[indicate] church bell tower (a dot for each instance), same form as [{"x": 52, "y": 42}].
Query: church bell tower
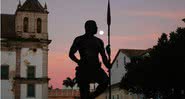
[
  {"x": 31, "y": 27},
  {"x": 31, "y": 20}
]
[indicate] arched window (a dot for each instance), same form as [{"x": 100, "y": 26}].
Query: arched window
[
  {"x": 25, "y": 23},
  {"x": 39, "y": 25}
]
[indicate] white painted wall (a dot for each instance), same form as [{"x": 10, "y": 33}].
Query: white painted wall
[
  {"x": 117, "y": 72},
  {"x": 44, "y": 91},
  {"x": 28, "y": 57},
  {"x": 8, "y": 58},
  {"x": 38, "y": 92},
  {"x": 6, "y": 90},
  {"x": 118, "y": 92}
]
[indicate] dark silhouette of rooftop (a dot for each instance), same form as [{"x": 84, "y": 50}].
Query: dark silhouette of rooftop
[
  {"x": 33, "y": 6},
  {"x": 8, "y": 26}
]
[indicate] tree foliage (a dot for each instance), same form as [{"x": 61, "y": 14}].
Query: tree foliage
[
  {"x": 68, "y": 82},
  {"x": 162, "y": 72}
]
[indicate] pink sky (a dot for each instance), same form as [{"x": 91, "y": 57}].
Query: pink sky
[
  {"x": 60, "y": 66},
  {"x": 136, "y": 24},
  {"x": 67, "y": 67}
]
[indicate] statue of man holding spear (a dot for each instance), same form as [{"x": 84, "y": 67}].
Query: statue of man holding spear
[{"x": 89, "y": 66}]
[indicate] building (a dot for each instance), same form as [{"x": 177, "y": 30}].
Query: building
[
  {"x": 68, "y": 92},
  {"x": 24, "y": 52},
  {"x": 64, "y": 94},
  {"x": 122, "y": 57}
]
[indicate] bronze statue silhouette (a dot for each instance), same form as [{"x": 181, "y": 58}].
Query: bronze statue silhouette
[{"x": 89, "y": 66}]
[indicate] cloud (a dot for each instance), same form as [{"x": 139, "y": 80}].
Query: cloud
[
  {"x": 162, "y": 14},
  {"x": 136, "y": 41},
  {"x": 149, "y": 36}
]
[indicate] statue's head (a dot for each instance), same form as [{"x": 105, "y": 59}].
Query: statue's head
[{"x": 91, "y": 27}]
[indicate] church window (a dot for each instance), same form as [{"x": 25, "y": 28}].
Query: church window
[
  {"x": 26, "y": 23},
  {"x": 113, "y": 97},
  {"x": 31, "y": 72},
  {"x": 4, "y": 72},
  {"x": 105, "y": 97},
  {"x": 39, "y": 25},
  {"x": 125, "y": 61},
  {"x": 30, "y": 90},
  {"x": 117, "y": 63},
  {"x": 117, "y": 96}
]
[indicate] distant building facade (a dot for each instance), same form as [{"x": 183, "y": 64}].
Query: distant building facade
[
  {"x": 63, "y": 94},
  {"x": 24, "y": 52},
  {"x": 122, "y": 57}
]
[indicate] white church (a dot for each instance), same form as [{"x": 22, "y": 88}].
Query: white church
[
  {"x": 118, "y": 70},
  {"x": 24, "y": 52}
]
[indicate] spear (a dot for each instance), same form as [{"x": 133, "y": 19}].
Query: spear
[{"x": 108, "y": 49}]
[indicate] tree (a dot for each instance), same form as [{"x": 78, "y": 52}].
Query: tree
[
  {"x": 50, "y": 87},
  {"x": 163, "y": 72},
  {"x": 68, "y": 82}
]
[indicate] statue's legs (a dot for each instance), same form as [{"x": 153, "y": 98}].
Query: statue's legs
[
  {"x": 84, "y": 90},
  {"x": 102, "y": 79}
]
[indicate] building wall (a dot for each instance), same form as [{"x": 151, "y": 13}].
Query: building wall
[
  {"x": 29, "y": 57},
  {"x": 6, "y": 90},
  {"x": 44, "y": 91},
  {"x": 118, "y": 68},
  {"x": 8, "y": 58},
  {"x": 63, "y": 94},
  {"x": 119, "y": 94},
  {"x": 45, "y": 61},
  {"x": 38, "y": 92},
  {"x": 17, "y": 89},
  {"x": 122, "y": 94},
  {"x": 117, "y": 73},
  {"x": 60, "y": 97},
  {"x": 32, "y": 29}
]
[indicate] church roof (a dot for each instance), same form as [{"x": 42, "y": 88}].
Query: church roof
[
  {"x": 131, "y": 53},
  {"x": 32, "y": 6},
  {"x": 8, "y": 26}
]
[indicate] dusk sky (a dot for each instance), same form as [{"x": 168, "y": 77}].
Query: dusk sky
[{"x": 136, "y": 24}]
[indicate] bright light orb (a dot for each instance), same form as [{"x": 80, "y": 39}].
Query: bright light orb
[{"x": 101, "y": 32}]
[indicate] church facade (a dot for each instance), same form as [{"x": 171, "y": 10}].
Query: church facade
[
  {"x": 24, "y": 52},
  {"x": 118, "y": 70}
]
